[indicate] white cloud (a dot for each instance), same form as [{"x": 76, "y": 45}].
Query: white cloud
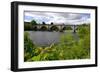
[{"x": 59, "y": 18}]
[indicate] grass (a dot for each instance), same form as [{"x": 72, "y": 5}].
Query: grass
[{"x": 68, "y": 49}]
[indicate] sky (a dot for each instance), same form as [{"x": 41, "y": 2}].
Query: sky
[{"x": 57, "y": 17}]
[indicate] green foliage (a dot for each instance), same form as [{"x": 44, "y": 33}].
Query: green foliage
[
  {"x": 83, "y": 31},
  {"x": 67, "y": 38},
  {"x": 27, "y": 26},
  {"x": 68, "y": 47},
  {"x": 33, "y": 22},
  {"x": 29, "y": 47}
]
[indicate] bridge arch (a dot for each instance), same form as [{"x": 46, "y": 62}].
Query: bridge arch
[
  {"x": 54, "y": 28},
  {"x": 43, "y": 28}
]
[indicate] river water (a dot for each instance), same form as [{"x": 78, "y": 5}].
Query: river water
[{"x": 46, "y": 38}]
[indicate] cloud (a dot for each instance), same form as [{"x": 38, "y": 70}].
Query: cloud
[{"x": 55, "y": 17}]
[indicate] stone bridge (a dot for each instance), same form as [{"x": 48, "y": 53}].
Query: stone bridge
[{"x": 60, "y": 27}]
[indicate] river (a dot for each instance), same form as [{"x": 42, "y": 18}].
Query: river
[{"x": 46, "y": 38}]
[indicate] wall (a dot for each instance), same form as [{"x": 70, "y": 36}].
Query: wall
[{"x": 5, "y": 35}]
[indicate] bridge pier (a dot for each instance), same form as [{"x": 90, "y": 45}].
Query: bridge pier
[{"x": 74, "y": 29}]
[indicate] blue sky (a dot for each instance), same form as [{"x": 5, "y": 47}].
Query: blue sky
[{"x": 57, "y": 17}]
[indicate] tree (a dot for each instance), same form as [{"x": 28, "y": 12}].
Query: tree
[
  {"x": 43, "y": 23},
  {"x": 33, "y": 22},
  {"x": 51, "y": 23}
]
